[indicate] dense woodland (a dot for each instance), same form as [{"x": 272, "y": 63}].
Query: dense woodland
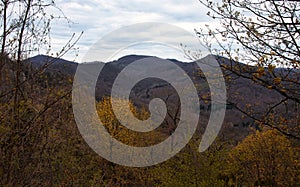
[{"x": 40, "y": 144}]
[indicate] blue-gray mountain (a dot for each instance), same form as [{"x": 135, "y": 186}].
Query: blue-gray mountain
[{"x": 241, "y": 91}]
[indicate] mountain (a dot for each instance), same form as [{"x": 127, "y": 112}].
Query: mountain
[
  {"x": 239, "y": 90},
  {"x": 53, "y": 64},
  {"x": 112, "y": 69}
]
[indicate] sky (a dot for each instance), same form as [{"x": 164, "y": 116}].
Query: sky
[{"x": 99, "y": 18}]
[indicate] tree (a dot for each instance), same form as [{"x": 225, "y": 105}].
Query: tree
[
  {"x": 264, "y": 35},
  {"x": 30, "y": 109},
  {"x": 265, "y": 158},
  {"x": 117, "y": 175},
  {"x": 190, "y": 168}
]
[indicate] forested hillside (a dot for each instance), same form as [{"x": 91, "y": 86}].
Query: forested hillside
[{"x": 259, "y": 142}]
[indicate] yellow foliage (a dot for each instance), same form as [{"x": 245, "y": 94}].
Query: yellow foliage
[
  {"x": 277, "y": 80},
  {"x": 260, "y": 71},
  {"x": 271, "y": 68},
  {"x": 118, "y": 131},
  {"x": 266, "y": 158}
]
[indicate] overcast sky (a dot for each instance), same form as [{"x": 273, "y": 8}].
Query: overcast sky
[{"x": 98, "y": 18}]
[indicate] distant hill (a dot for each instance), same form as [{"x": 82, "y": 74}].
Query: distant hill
[
  {"x": 53, "y": 64},
  {"x": 240, "y": 90},
  {"x": 112, "y": 69}
]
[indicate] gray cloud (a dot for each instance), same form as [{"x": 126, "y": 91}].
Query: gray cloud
[{"x": 99, "y": 17}]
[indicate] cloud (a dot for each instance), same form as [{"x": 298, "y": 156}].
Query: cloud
[{"x": 100, "y": 17}]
